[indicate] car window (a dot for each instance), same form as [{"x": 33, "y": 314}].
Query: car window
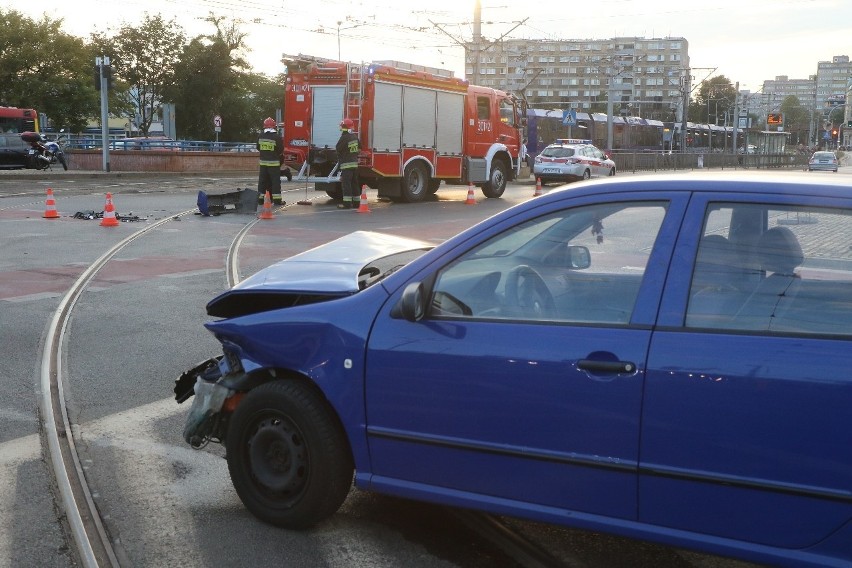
[
  {"x": 773, "y": 269},
  {"x": 583, "y": 265},
  {"x": 557, "y": 152}
]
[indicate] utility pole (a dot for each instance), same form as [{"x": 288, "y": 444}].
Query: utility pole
[
  {"x": 102, "y": 83},
  {"x": 477, "y": 42}
]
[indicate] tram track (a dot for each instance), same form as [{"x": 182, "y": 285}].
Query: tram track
[{"x": 90, "y": 537}]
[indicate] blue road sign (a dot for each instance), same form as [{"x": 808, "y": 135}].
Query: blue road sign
[{"x": 569, "y": 117}]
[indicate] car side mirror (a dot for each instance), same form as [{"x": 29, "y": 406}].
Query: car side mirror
[
  {"x": 579, "y": 257},
  {"x": 412, "y": 304}
]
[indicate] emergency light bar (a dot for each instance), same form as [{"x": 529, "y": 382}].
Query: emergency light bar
[{"x": 572, "y": 141}]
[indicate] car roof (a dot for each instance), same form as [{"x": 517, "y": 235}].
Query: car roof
[{"x": 783, "y": 183}]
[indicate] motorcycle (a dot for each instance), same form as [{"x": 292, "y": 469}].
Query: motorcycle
[{"x": 43, "y": 152}]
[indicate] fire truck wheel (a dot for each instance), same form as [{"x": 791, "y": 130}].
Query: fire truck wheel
[
  {"x": 496, "y": 184},
  {"x": 415, "y": 183},
  {"x": 334, "y": 190},
  {"x": 434, "y": 184}
]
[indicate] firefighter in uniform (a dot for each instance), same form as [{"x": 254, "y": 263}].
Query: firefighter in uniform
[
  {"x": 347, "y": 156},
  {"x": 270, "y": 147}
]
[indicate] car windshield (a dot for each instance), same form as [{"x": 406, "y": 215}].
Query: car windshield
[
  {"x": 557, "y": 152},
  {"x": 381, "y": 268}
]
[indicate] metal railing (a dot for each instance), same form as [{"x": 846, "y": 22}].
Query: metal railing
[
  {"x": 88, "y": 142},
  {"x": 653, "y": 161}
]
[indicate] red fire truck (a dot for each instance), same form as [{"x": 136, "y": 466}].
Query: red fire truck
[{"x": 416, "y": 127}]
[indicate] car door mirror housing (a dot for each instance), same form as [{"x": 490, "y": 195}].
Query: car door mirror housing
[{"x": 412, "y": 304}]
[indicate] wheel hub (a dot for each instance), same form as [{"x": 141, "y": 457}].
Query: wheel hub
[{"x": 277, "y": 456}]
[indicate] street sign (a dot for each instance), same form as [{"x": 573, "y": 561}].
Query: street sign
[
  {"x": 217, "y": 121},
  {"x": 569, "y": 117}
]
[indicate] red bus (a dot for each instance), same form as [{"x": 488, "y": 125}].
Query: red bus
[{"x": 15, "y": 120}]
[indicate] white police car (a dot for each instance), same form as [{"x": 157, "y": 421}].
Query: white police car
[{"x": 570, "y": 159}]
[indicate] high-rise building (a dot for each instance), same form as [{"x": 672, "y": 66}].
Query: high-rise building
[
  {"x": 778, "y": 89},
  {"x": 646, "y": 76},
  {"x": 832, "y": 79}
]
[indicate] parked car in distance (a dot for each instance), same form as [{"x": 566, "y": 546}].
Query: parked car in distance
[
  {"x": 13, "y": 151},
  {"x": 570, "y": 159},
  {"x": 661, "y": 357},
  {"x": 823, "y": 161}
]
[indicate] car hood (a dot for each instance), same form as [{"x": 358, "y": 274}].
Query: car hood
[{"x": 329, "y": 270}]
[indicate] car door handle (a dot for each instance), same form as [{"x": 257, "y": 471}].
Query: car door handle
[{"x": 606, "y": 366}]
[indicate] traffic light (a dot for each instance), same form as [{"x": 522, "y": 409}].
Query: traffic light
[
  {"x": 834, "y": 133},
  {"x": 107, "y": 74}
]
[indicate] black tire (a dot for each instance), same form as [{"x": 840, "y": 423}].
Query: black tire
[
  {"x": 612, "y": 172},
  {"x": 61, "y": 157},
  {"x": 496, "y": 184},
  {"x": 333, "y": 190},
  {"x": 587, "y": 174},
  {"x": 287, "y": 174},
  {"x": 288, "y": 456},
  {"x": 433, "y": 186},
  {"x": 415, "y": 183}
]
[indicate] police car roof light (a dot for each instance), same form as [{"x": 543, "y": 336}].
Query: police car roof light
[{"x": 572, "y": 141}]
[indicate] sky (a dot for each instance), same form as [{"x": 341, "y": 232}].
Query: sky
[{"x": 747, "y": 41}]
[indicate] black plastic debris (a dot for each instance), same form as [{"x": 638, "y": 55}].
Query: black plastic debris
[
  {"x": 91, "y": 215},
  {"x": 239, "y": 201}
]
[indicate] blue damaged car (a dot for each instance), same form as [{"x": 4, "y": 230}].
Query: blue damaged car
[{"x": 664, "y": 358}]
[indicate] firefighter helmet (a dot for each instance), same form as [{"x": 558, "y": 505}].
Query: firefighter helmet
[
  {"x": 269, "y": 123},
  {"x": 347, "y": 124}
]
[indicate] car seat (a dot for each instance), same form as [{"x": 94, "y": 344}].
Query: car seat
[{"x": 779, "y": 254}]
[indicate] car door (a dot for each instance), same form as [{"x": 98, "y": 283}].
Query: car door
[
  {"x": 596, "y": 157},
  {"x": 539, "y": 408},
  {"x": 746, "y": 421}
]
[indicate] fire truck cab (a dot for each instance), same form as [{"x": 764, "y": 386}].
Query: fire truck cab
[{"x": 416, "y": 127}]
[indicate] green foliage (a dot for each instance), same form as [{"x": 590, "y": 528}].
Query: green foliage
[
  {"x": 213, "y": 80},
  {"x": 145, "y": 58},
  {"x": 43, "y": 68},
  {"x": 714, "y": 99}
]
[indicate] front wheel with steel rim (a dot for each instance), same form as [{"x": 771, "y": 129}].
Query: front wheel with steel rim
[
  {"x": 288, "y": 456},
  {"x": 496, "y": 184},
  {"x": 415, "y": 182},
  {"x": 587, "y": 174}
]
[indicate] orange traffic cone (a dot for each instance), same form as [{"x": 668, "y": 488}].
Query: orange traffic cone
[
  {"x": 266, "y": 212},
  {"x": 470, "y": 199},
  {"x": 537, "y": 187},
  {"x": 362, "y": 208},
  {"x": 109, "y": 220},
  {"x": 50, "y": 206}
]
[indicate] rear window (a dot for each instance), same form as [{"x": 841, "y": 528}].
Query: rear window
[{"x": 558, "y": 152}]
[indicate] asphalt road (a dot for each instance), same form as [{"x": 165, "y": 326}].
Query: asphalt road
[{"x": 139, "y": 324}]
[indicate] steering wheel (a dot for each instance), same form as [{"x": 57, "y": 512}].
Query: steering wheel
[{"x": 527, "y": 293}]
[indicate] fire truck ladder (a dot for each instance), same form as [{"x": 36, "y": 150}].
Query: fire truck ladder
[{"x": 354, "y": 93}]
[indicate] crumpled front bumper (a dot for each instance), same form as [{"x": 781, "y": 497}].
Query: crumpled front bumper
[{"x": 204, "y": 422}]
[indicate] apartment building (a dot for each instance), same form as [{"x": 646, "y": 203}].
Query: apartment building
[{"x": 646, "y": 76}]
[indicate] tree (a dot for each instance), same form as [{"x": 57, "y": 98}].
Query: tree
[
  {"x": 714, "y": 98},
  {"x": 43, "y": 68},
  {"x": 212, "y": 78},
  {"x": 797, "y": 119},
  {"x": 145, "y": 58}
]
